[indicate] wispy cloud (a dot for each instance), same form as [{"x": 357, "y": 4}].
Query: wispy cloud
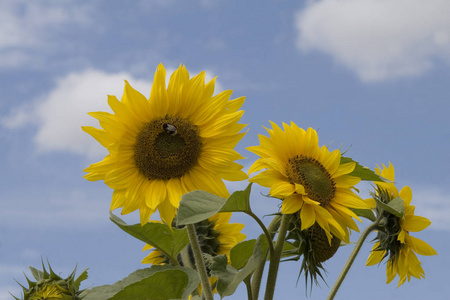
[
  {"x": 377, "y": 40},
  {"x": 434, "y": 204},
  {"x": 30, "y": 25},
  {"x": 60, "y": 114}
]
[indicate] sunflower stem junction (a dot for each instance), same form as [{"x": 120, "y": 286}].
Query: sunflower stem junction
[
  {"x": 352, "y": 257},
  {"x": 275, "y": 259},
  {"x": 199, "y": 262},
  {"x": 257, "y": 274}
]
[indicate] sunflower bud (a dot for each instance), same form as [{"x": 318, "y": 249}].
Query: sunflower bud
[{"x": 50, "y": 286}]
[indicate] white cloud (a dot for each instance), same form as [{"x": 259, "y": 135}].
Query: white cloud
[
  {"x": 30, "y": 24},
  {"x": 434, "y": 204},
  {"x": 378, "y": 39},
  {"x": 60, "y": 114}
]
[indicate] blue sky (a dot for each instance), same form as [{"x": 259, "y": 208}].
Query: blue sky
[{"x": 369, "y": 75}]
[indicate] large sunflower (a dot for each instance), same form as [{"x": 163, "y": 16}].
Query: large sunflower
[
  {"x": 216, "y": 237},
  {"x": 308, "y": 178},
  {"x": 394, "y": 240},
  {"x": 179, "y": 140}
]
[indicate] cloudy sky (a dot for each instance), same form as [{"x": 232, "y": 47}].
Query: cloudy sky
[{"x": 369, "y": 75}]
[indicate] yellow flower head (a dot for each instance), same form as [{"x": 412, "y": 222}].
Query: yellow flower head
[
  {"x": 179, "y": 140},
  {"x": 308, "y": 178},
  {"x": 216, "y": 237},
  {"x": 395, "y": 241}
]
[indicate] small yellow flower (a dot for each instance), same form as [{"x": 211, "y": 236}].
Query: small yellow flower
[
  {"x": 216, "y": 237},
  {"x": 308, "y": 178},
  {"x": 395, "y": 241},
  {"x": 179, "y": 140}
]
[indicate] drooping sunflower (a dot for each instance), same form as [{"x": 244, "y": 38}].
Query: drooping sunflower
[
  {"x": 308, "y": 178},
  {"x": 179, "y": 140},
  {"x": 216, "y": 237},
  {"x": 393, "y": 239}
]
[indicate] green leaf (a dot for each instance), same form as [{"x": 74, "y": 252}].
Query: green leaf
[
  {"x": 395, "y": 206},
  {"x": 168, "y": 240},
  {"x": 37, "y": 274},
  {"x": 365, "y": 213},
  {"x": 197, "y": 206},
  {"x": 228, "y": 277},
  {"x": 362, "y": 172},
  {"x": 157, "y": 282},
  {"x": 241, "y": 253},
  {"x": 238, "y": 201}
]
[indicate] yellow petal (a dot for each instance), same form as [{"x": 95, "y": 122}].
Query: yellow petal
[
  {"x": 281, "y": 189},
  {"x": 419, "y": 246},
  {"x": 406, "y": 195},
  {"x": 415, "y": 223},
  {"x": 291, "y": 204},
  {"x": 375, "y": 256},
  {"x": 307, "y": 216}
]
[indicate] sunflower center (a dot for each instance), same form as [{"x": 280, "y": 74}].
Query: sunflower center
[
  {"x": 313, "y": 176},
  {"x": 167, "y": 148}
]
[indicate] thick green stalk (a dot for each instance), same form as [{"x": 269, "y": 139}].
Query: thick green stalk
[
  {"x": 352, "y": 258},
  {"x": 275, "y": 259},
  {"x": 258, "y": 273},
  {"x": 199, "y": 262}
]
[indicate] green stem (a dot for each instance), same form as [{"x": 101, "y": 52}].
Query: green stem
[
  {"x": 258, "y": 273},
  {"x": 275, "y": 259},
  {"x": 352, "y": 257},
  {"x": 264, "y": 229},
  {"x": 199, "y": 262},
  {"x": 249, "y": 287}
]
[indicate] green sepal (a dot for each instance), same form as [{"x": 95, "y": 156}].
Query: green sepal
[
  {"x": 228, "y": 277},
  {"x": 168, "y": 240},
  {"x": 80, "y": 278},
  {"x": 365, "y": 213},
  {"x": 362, "y": 172},
  {"x": 157, "y": 282},
  {"x": 395, "y": 206}
]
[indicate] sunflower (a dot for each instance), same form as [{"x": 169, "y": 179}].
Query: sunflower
[
  {"x": 308, "y": 179},
  {"x": 179, "y": 140},
  {"x": 216, "y": 237},
  {"x": 393, "y": 239}
]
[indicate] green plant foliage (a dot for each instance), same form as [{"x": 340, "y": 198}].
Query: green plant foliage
[
  {"x": 362, "y": 172},
  {"x": 228, "y": 277},
  {"x": 197, "y": 206},
  {"x": 157, "y": 282},
  {"x": 238, "y": 201},
  {"x": 365, "y": 213},
  {"x": 168, "y": 240},
  {"x": 395, "y": 206}
]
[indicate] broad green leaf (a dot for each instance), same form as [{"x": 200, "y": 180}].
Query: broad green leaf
[
  {"x": 228, "y": 277},
  {"x": 168, "y": 240},
  {"x": 157, "y": 282},
  {"x": 197, "y": 206},
  {"x": 395, "y": 206},
  {"x": 241, "y": 253},
  {"x": 362, "y": 172},
  {"x": 365, "y": 213},
  {"x": 238, "y": 201}
]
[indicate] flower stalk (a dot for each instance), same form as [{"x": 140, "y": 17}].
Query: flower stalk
[
  {"x": 352, "y": 257},
  {"x": 199, "y": 262},
  {"x": 275, "y": 259}
]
